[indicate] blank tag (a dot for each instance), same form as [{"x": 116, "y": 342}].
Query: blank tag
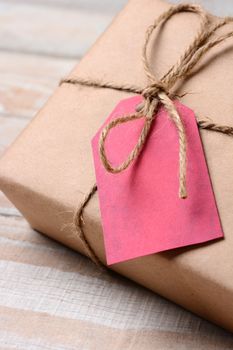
[{"x": 140, "y": 208}]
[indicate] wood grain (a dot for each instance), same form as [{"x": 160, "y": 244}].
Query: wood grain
[
  {"x": 61, "y": 32},
  {"x": 28, "y": 80},
  {"x": 51, "y": 290},
  {"x": 106, "y": 6}
]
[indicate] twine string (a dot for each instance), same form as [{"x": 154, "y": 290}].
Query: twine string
[{"x": 157, "y": 93}]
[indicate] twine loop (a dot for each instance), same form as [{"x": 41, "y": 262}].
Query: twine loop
[
  {"x": 154, "y": 95},
  {"x": 157, "y": 92}
]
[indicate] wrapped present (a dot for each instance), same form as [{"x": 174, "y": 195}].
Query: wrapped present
[{"x": 49, "y": 169}]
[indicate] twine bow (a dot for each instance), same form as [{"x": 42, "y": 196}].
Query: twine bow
[{"x": 157, "y": 93}]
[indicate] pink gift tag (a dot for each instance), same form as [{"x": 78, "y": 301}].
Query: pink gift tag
[{"x": 140, "y": 208}]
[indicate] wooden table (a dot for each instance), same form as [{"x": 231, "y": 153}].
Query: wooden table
[{"x": 46, "y": 290}]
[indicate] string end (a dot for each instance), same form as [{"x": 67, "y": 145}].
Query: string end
[{"x": 183, "y": 193}]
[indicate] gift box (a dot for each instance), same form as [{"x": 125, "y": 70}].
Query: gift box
[{"x": 49, "y": 169}]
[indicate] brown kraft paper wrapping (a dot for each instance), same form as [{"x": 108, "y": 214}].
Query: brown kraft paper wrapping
[{"x": 49, "y": 168}]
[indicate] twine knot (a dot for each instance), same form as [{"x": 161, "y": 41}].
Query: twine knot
[
  {"x": 152, "y": 91},
  {"x": 151, "y": 99}
]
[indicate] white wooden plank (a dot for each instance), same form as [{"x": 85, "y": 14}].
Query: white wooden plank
[
  {"x": 49, "y": 29},
  {"x": 6, "y": 208},
  {"x": 217, "y": 7},
  {"x": 107, "y": 6},
  {"x": 28, "y": 330},
  {"x": 220, "y": 8},
  {"x": 112, "y": 302},
  {"x": 28, "y": 80},
  {"x": 9, "y": 130}
]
